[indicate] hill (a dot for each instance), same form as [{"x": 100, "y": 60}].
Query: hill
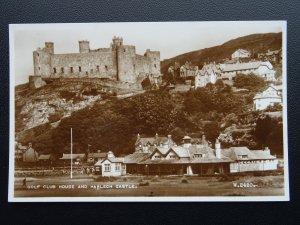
[
  {"x": 114, "y": 123},
  {"x": 256, "y": 43}
]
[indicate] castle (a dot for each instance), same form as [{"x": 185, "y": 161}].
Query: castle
[{"x": 118, "y": 62}]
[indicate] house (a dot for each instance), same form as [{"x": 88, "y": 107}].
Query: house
[
  {"x": 199, "y": 158},
  {"x": 77, "y": 159},
  {"x": 241, "y": 53},
  {"x": 132, "y": 161},
  {"x": 186, "y": 159},
  {"x": 262, "y": 69},
  {"x": 46, "y": 158},
  {"x": 111, "y": 166},
  {"x": 94, "y": 157},
  {"x": 246, "y": 160},
  {"x": 273, "y": 56},
  {"x": 30, "y": 155},
  {"x": 148, "y": 144},
  {"x": 19, "y": 151},
  {"x": 270, "y": 96},
  {"x": 188, "y": 70},
  {"x": 208, "y": 74}
]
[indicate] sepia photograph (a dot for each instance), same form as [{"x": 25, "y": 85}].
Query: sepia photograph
[{"x": 148, "y": 111}]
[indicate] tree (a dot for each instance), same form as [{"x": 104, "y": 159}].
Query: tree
[{"x": 250, "y": 81}]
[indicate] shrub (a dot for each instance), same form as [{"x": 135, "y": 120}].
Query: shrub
[{"x": 184, "y": 180}]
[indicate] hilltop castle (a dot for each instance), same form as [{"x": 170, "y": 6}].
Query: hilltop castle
[{"x": 118, "y": 62}]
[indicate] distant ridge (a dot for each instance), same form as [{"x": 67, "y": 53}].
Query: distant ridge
[{"x": 256, "y": 43}]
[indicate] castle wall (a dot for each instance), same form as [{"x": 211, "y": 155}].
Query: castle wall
[
  {"x": 101, "y": 64},
  {"x": 141, "y": 65}
]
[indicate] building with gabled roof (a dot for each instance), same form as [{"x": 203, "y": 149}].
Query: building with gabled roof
[
  {"x": 111, "y": 166},
  {"x": 270, "y": 96},
  {"x": 93, "y": 157},
  {"x": 241, "y": 53},
  {"x": 148, "y": 144},
  {"x": 259, "y": 68},
  {"x": 246, "y": 160}
]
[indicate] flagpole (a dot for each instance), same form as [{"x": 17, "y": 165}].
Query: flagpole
[{"x": 71, "y": 154}]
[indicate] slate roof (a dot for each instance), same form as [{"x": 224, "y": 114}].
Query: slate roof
[
  {"x": 234, "y": 153},
  {"x": 112, "y": 159},
  {"x": 244, "y": 66},
  {"x": 156, "y": 140},
  {"x": 136, "y": 157},
  {"x": 97, "y": 155},
  {"x": 164, "y": 161},
  {"x": 265, "y": 94},
  {"x": 74, "y": 156},
  {"x": 44, "y": 157}
]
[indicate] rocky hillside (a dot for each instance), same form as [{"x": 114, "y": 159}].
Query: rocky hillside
[
  {"x": 53, "y": 102},
  {"x": 256, "y": 43}
]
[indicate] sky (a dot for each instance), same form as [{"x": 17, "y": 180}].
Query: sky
[{"x": 170, "y": 38}]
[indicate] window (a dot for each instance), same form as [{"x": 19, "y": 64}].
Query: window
[
  {"x": 71, "y": 69},
  {"x": 172, "y": 156},
  {"x": 244, "y": 156},
  {"x": 39, "y": 68},
  {"x": 106, "y": 167},
  {"x": 54, "y": 70},
  {"x": 106, "y": 67},
  {"x": 79, "y": 68},
  {"x": 198, "y": 155},
  {"x": 118, "y": 167},
  {"x": 154, "y": 58},
  {"x": 154, "y": 65},
  {"x": 98, "y": 68},
  {"x": 62, "y": 70},
  {"x": 38, "y": 54},
  {"x": 157, "y": 157}
]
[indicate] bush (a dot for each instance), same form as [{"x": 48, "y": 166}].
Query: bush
[
  {"x": 144, "y": 183},
  {"x": 184, "y": 180}
]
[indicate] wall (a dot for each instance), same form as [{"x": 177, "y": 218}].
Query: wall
[
  {"x": 263, "y": 103},
  {"x": 100, "y": 64},
  {"x": 253, "y": 165},
  {"x": 112, "y": 171}
]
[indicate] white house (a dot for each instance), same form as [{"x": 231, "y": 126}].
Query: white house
[
  {"x": 111, "y": 166},
  {"x": 272, "y": 95},
  {"x": 208, "y": 74},
  {"x": 240, "y": 53},
  {"x": 262, "y": 69},
  {"x": 250, "y": 160}
]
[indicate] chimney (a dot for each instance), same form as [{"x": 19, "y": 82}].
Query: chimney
[
  {"x": 218, "y": 149},
  {"x": 186, "y": 142},
  {"x": 110, "y": 154},
  {"x": 204, "y": 141},
  {"x": 267, "y": 150}
]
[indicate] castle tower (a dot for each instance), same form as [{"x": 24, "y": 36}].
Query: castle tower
[
  {"x": 154, "y": 61},
  {"x": 218, "y": 149},
  {"x": 117, "y": 42},
  {"x": 84, "y": 46},
  {"x": 125, "y": 62},
  {"x": 49, "y": 47}
]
